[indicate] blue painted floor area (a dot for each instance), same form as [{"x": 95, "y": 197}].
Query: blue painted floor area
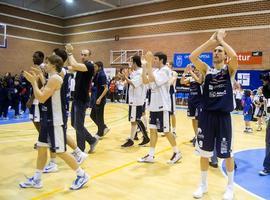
[
  {"x": 185, "y": 108},
  {"x": 23, "y": 118},
  {"x": 249, "y": 163}
]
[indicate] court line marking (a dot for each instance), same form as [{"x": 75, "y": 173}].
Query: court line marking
[
  {"x": 73, "y": 133},
  {"x": 239, "y": 186},
  {"x": 86, "y": 113},
  {"x": 90, "y": 125},
  {"x": 110, "y": 171}
]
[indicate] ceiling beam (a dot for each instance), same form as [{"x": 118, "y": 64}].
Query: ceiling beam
[{"x": 105, "y": 3}]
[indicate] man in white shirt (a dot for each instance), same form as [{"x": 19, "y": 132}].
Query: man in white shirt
[
  {"x": 160, "y": 104},
  {"x": 135, "y": 93}
]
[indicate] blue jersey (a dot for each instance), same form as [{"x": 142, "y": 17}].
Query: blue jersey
[
  {"x": 247, "y": 105},
  {"x": 195, "y": 91},
  {"x": 217, "y": 90},
  {"x": 65, "y": 91}
]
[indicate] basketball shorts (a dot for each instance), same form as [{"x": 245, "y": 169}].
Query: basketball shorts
[
  {"x": 215, "y": 130},
  {"x": 160, "y": 121}
]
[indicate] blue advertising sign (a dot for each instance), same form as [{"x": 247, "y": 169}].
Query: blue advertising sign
[
  {"x": 181, "y": 60},
  {"x": 249, "y": 79}
]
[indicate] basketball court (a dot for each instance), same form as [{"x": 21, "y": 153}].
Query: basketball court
[
  {"x": 114, "y": 31},
  {"x": 115, "y": 172}
]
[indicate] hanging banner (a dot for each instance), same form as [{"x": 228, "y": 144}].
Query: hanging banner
[
  {"x": 181, "y": 60},
  {"x": 249, "y": 58}
]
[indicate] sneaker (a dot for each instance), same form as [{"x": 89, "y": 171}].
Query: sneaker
[
  {"x": 162, "y": 134},
  {"x": 145, "y": 141},
  {"x": 202, "y": 189},
  {"x": 93, "y": 146},
  {"x": 250, "y": 130},
  {"x": 81, "y": 157},
  {"x": 259, "y": 129},
  {"x": 214, "y": 165},
  {"x": 79, "y": 182},
  {"x": 175, "y": 158},
  {"x": 128, "y": 143},
  {"x": 50, "y": 167},
  {"x": 147, "y": 159},
  {"x": 31, "y": 183},
  {"x": 264, "y": 172},
  {"x": 228, "y": 195}
]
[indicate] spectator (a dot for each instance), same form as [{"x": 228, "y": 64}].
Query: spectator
[{"x": 247, "y": 112}]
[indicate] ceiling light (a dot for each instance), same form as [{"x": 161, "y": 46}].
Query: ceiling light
[{"x": 69, "y": 1}]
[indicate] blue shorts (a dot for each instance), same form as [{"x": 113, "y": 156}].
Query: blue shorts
[
  {"x": 160, "y": 121},
  {"x": 247, "y": 118},
  {"x": 215, "y": 129},
  {"x": 193, "y": 110},
  {"x": 53, "y": 137},
  {"x": 135, "y": 113}
]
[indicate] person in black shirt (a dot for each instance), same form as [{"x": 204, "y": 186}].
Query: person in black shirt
[
  {"x": 98, "y": 99},
  {"x": 16, "y": 98},
  {"x": 25, "y": 92},
  {"x": 85, "y": 72},
  {"x": 194, "y": 79}
]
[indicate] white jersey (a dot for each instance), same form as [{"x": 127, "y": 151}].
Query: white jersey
[
  {"x": 137, "y": 92},
  {"x": 52, "y": 111},
  {"x": 160, "y": 90},
  {"x": 238, "y": 94}
]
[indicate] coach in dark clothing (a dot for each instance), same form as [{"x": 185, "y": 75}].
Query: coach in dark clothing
[
  {"x": 85, "y": 72},
  {"x": 98, "y": 98}
]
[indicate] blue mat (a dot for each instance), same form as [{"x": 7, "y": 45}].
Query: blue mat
[
  {"x": 249, "y": 163},
  {"x": 11, "y": 114}
]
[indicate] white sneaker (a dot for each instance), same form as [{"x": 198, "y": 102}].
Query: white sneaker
[
  {"x": 175, "y": 158},
  {"x": 202, "y": 189},
  {"x": 81, "y": 157},
  {"x": 31, "y": 183},
  {"x": 147, "y": 159},
  {"x": 228, "y": 195},
  {"x": 250, "y": 130},
  {"x": 50, "y": 167},
  {"x": 80, "y": 182}
]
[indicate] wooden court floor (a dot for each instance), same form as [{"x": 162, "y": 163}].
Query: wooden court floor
[{"x": 115, "y": 172}]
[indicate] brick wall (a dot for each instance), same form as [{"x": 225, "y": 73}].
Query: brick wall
[
  {"x": 189, "y": 33},
  {"x": 241, "y": 41},
  {"x": 18, "y": 55}
]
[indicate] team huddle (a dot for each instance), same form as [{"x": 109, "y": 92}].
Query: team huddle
[{"x": 151, "y": 86}]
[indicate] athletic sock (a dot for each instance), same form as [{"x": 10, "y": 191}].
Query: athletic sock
[
  {"x": 79, "y": 172},
  {"x": 37, "y": 175},
  {"x": 152, "y": 151}
]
